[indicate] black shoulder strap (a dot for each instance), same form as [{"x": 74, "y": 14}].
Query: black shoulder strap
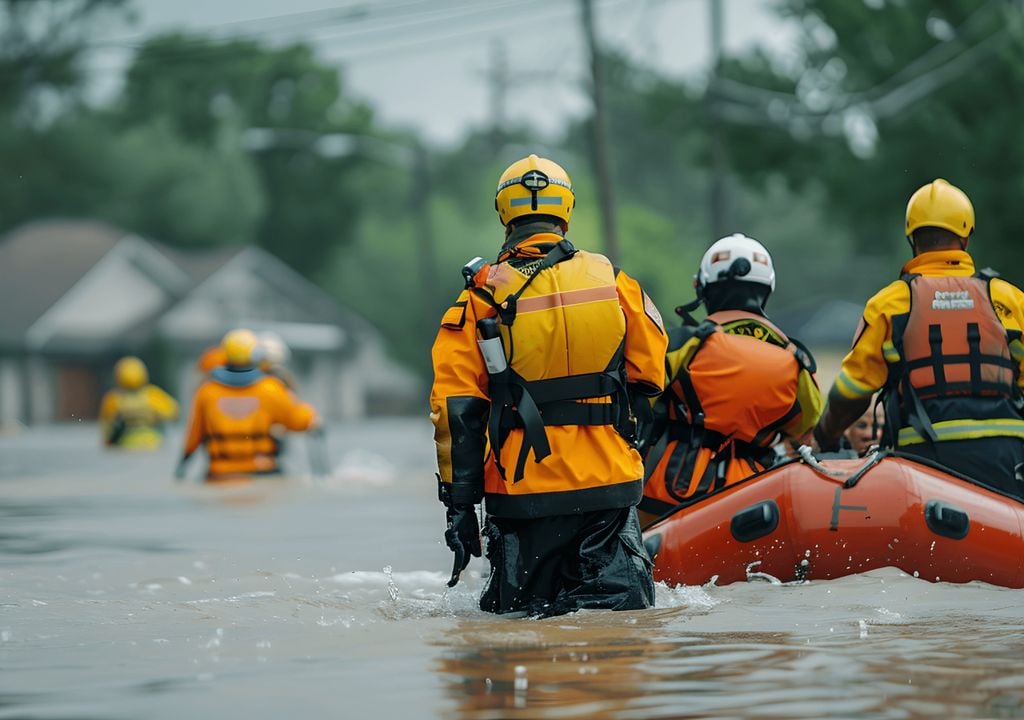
[
  {"x": 898, "y": 389},
  {"x": 563, "y": 250},
  {"x": 804, "y": 356},
  {"x": 703, "y": 331}
]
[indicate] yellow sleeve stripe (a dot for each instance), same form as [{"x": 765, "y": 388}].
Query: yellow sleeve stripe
[
  {"x": 889, "y": 352},
  {"x": 1017, "y": 351},
  {"x": 850, "y": 388}
]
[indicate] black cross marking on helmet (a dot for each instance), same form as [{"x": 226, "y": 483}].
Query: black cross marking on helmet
[{"x": 534, "y": 181}]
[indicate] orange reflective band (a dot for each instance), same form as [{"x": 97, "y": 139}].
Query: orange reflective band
[{"x": 563, "y": 299}]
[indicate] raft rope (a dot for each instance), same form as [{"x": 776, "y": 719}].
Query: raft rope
[{"x": 851, "y": 479}]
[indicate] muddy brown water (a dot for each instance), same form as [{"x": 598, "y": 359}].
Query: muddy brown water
[{"x": 125, "y": 595}]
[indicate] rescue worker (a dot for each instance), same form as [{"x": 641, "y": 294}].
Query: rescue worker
[
  {"x": 865, "y": 432},
  {"x": 737, "y": 384},
  {"x": 234, "y": 410},
  {"x": 943, "y": 342},
  {"x": 539, "y": 420},
  {"x": 131, "y": 414},
  {"x": 273, "y": 354}
]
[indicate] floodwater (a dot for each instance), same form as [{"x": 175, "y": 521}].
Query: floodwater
[{"x": 125, "y": 595}]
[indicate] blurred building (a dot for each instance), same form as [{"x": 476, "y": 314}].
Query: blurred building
[{"x": 75, "y": 295}]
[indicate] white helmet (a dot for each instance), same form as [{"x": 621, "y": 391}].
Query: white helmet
[
  {"x": 272, "y": 349},
  {"x": 736, "y": 257}
]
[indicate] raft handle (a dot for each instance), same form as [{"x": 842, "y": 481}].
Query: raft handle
[
  {"x": 755, "y": 521},
  {"x": 947, "y": 520}
]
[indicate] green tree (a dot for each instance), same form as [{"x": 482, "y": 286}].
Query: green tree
[
  {"x": 213, "y": 91},
  {"x": 888, "y": 96},
  {"x": 41, "y": 45}
]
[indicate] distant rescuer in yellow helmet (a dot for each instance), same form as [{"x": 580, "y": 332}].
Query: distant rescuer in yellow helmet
[
  {"x": 131, "y": 414},
  {"x": 233, "y": 412},
  {"x": 542, "y": 371},
  {"x": 944, "y": 344}
]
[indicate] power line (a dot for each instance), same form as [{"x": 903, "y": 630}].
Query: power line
[{"x": 788, "y": 105}]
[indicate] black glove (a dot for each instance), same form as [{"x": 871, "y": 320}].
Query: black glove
[
  {"x": 643, "y": 414},
  {"x": 462, "y": 537}
]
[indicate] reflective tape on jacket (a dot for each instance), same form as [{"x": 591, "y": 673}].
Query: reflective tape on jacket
[{"x": 966, "y": 430}]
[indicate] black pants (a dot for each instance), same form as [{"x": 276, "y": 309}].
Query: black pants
[
  {"x": 996, "y": 462},
  {"x": 554, "y": 565}
]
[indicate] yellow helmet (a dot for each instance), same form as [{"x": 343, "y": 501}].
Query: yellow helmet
[
  {"x": 939, "y": 204},
  {"x": 534, "y": 186},
  {"x": 130, "y": 373},
  {"x": 238, "y": 346}
]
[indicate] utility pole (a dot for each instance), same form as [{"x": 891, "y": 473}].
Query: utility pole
[
  {"x": 499, "y": 82},
  {"x": 717, "y": 195},
  {"x": 599, "y": 139},
  {"x": 429, "y": 310}
]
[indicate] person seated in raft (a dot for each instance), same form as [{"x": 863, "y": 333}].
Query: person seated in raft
[
  {"x": 234, "y": 410},
  {"x": 865, "y": 433},
  {"x": 943, "y": 343},
  {"x": 736, "y": 383},
  {"x": 132, "y": 413}
]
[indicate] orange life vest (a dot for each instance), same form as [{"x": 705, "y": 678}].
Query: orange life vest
[
  {"x": 954, "y": 374},
  {"x": 235, "y": 423},
  {"x": 563, "y": 333},
  {"x": 728, "y": 400}
]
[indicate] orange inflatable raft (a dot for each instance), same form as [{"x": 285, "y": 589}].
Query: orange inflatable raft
[{"x": 809, "y": 519}]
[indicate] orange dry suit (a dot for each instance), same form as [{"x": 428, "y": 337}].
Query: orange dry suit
[
  {"x": 131, "y": 419},
  {"x": 553, "y": 433},
  {"x": 736, "y": 383},
  {"x": 233, "y": 413}
]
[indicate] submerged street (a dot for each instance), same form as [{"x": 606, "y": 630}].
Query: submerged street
[{"x": 125, "y": 595}]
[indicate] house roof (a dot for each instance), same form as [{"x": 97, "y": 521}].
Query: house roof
[
  {"x": 40, "y": 262},
  {"x": 85, "y": 286}
]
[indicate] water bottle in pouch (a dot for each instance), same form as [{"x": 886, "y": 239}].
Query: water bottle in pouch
[{"x": 490, "y": 346}]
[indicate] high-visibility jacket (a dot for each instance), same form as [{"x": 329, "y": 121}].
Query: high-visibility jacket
[
  {"x": 918, "y": 332},
  {"x": 576, "y": 334},
  {"x": 736, "y": 384},
  {"x": 233, "y": 413},
  {"x": 131, "y": 419}
]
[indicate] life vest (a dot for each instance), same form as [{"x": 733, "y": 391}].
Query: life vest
[
  {"x": 239, "y": 417},
  {"x": 563, "y": 333},
  {"x": 136, "y": 423},
  {"x": 951, "y": 376},
  {"x": 728, "y": 401},
  {"x": 135, "y": 410}
]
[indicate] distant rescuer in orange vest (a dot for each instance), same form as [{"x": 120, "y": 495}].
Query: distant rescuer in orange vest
[
  {"x": 540, "y": 368},
  {"x": 131, "y": 414},
  {"x": 736, "y": 383},
  {"x": 944, "y": 344},
  {"x": 234, "y": 410}
]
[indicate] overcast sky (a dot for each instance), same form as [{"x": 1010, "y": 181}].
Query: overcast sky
[{"x": 426, "y": 63}]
